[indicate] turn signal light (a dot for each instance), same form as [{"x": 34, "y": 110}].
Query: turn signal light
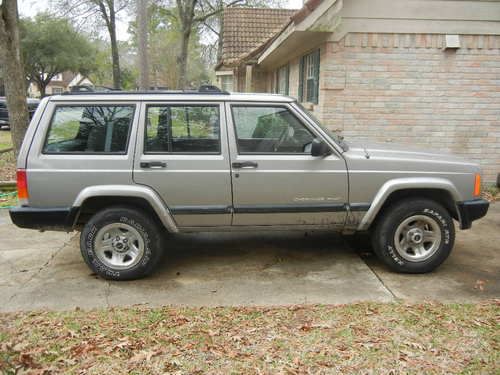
[
  {"x": 22, "y": 186},
  {"x": 477, "y": 185}
]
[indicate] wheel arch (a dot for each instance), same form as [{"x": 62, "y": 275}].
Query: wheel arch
[
  {"x": 95, "y": 198},
  {"x": 437, "y": 189}
]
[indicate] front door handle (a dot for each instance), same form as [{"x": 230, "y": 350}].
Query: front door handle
[
  {"x": 245, "y": 165},
  {"x": 153, "y": 164}
]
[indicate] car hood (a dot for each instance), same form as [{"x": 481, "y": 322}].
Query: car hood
[
  {"x": 391, "y": 156},
  {"x": 403, "y": 151}
]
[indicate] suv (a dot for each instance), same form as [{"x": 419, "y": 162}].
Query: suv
[
  {"x": 129, "y": 168},
  {"x": 4, "y": 113}
]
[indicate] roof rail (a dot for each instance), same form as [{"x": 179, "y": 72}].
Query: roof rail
[{"x": 88, "y": 90}]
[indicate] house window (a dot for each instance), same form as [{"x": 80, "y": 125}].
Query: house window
[
  {"x": 226, "y": 82},
  {"x": 309, "y": 78},
  {"x": 57, "y": 90},
  {"x": 282, "y": 77}
]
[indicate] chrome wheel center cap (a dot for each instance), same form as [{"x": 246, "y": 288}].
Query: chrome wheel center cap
[
  {"x": 415, "y": 235},
  {"x": 120, "y": 244}
]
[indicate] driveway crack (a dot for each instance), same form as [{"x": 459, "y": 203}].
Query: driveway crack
[
  {"x": 42, "y": 267},
  {"x": 380, "y": 279}
]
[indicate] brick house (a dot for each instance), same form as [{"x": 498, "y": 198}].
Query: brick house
[{"x": 425, "y": 72}]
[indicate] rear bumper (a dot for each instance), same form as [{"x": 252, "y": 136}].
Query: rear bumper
[
  {"x": 43, "y": 218},
  {"x": 471, "y": 210}
]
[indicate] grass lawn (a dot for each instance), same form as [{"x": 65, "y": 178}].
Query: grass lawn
[
  {"x": 5, "y": 139},
  {"x": 7, "y": 166},
  {"x": 358, "y": 338},
  {"x": 8, "y": 199}
]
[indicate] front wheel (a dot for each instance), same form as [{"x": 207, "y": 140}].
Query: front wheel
[
  {"x": 121, "y": 243},
  {"x": 414, "y": 236}
]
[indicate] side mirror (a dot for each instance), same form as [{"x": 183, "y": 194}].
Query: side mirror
[{"x": 320, "y": 148}]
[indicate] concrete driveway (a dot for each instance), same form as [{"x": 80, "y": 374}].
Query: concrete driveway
[{"x": 45, "y": 270}]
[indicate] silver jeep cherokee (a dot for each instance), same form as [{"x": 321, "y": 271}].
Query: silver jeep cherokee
[{"x": 128, "y": 168}]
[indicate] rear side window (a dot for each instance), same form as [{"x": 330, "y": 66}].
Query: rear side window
[
  {"x": 90, "y": 129},
  {"x": 182, "y": 129}
]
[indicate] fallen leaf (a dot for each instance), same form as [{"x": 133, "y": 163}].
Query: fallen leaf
[{"x": 480, "y": 285}]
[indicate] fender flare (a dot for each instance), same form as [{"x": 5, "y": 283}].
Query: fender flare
[
  {"x": 136, "y": 191},
  {"x": 397, "y": 184}
]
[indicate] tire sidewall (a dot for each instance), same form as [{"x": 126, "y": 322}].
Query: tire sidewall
[
  {"x": 135, "y": 220},
  {"x": 387, "y": 249}
]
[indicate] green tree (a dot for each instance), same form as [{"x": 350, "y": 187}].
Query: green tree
[
  {"x": 92, "y": 13},
  {"x": 102, "y": 74},
  {"x": 51, "y": 46},
  {"x": 164, "y": 47}
]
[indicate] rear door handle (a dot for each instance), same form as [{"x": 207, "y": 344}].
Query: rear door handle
[
  {"x": 153, "y": 164},
  {"x": 245, "y": 165}
]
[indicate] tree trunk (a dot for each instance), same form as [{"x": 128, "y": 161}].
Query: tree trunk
[
  {"x": 142, "y": 45},
  {"x": 10, "y": 58},
  {"x": 114, "y": 48},
  {"x": 182, "y": 60},
  {"x": 43, "y": 89}
]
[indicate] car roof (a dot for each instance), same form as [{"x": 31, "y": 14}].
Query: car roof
[{"x": 170, "y": 96}]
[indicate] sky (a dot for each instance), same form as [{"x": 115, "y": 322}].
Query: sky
[{"x": 29, "y": 8}]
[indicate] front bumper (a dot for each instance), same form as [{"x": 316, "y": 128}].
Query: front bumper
[
  {"x": 43, "y": 218},
  {"x": 471, "y": 210}
]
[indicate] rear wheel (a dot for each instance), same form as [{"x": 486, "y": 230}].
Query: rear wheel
[
  {"x": 121, "y": 243},
  {"x": 414, "y": 236}
]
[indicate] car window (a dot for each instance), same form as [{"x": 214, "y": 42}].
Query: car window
[
  {"x": 182, "y": 129},
  {"x": 89, "y": 129},
  {"x": 268, "y": 129}
]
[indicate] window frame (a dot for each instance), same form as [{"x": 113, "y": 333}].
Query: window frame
[
  {"x": 262, "y": 105},
  {"x": 315, "y": 55},
  {"x": 226, "y": 76},
  {"x": 180, "y": 104},
  {"x": 56, "y": 106},
  {"x": 286, "y": 69}
]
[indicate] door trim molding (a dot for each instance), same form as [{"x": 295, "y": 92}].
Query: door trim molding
[
  {"x": 268, "y": 209},
  {"x": 200, "y": 210}
]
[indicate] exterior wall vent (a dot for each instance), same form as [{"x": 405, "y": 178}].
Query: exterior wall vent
[{"x": 452, "y": 42}]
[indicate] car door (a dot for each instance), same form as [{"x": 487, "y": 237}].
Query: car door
[
  {"x": 182, "y": 153},
  {"x": 276, "y": 180}
]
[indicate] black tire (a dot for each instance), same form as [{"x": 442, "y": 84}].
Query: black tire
[
  {"x": 383, "y": 238},
  {"x": 149, "y": 231}
]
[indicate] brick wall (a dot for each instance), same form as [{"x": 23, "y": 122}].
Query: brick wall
[{"x": 407, "y": 89}]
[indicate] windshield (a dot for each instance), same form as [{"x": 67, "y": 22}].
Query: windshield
[{"x": 336, "y": 137}]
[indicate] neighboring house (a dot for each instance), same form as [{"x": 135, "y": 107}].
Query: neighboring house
[
  {"x": 60, "y": 83},
  {"x": 425, "y": 72}
]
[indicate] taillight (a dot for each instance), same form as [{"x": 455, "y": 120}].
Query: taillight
[
  {"x": 22, "y": 187},
  {"x": 477, "y": 185}
]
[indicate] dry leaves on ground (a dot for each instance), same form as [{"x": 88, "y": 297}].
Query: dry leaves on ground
[{"x": 397, "y": 338}]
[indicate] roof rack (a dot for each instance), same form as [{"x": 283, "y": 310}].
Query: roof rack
[{"x": 88, "y": 90}]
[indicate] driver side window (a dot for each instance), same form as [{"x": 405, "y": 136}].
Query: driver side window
[{"x": 269, "y": 129}]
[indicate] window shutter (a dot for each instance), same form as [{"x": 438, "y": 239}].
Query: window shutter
[
  {"x": 301, "y": 79},
  {"x": 315, "y": 93}
]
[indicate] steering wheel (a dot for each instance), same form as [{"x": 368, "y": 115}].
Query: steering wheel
[{"x": 283, "y": 136}]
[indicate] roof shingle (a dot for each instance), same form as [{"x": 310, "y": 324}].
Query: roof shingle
[{"x": 245, "y": 29}]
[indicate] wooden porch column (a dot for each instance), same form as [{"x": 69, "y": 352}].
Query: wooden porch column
[{"x": 248, "y": 78}]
